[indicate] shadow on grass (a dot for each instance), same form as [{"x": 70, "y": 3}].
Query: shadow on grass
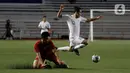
[
  {"x": 76, "y": 69},
  {"x": 20, "y": 66},
  {"x": 29, "y": 66},
  {"x": 81, "y": 69}
]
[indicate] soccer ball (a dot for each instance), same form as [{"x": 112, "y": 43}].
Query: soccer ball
[{"x": 95, "y": 58}]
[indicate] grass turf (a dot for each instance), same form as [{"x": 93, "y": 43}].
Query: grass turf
[{"x": 115, "y": 57}]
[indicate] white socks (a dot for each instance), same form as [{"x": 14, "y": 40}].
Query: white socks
[
  {"x": 66, "y": 48},
  {"x": 79, "y": 46}
]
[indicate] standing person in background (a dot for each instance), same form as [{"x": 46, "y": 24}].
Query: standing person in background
[
  {"x": 8, "y": 27},
  {"x": 44, "y": 25}
]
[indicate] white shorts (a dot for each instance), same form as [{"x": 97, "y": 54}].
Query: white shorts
[{"x": 77, "y": 41}]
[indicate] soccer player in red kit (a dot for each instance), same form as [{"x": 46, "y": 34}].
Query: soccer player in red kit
[{"x": 45, "y": 49}]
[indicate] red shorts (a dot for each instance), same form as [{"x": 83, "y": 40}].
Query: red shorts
[{"x": 51, "y": 57}]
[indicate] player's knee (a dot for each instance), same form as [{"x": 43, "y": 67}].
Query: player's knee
[
  {"x": 57, "y": 62},
  {"x": 36, "y": 64},
  {"x": 85, "y": 42},
  {"x": 62, "y": 62}
]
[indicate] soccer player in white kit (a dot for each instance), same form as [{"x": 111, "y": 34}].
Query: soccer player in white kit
[
  {"x": 44, "y": 25},
  {"x": 73, "y": 22}
]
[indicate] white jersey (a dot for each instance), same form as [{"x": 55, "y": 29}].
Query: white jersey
[
  {"x": 74, "y": 26},
  {"x": 44, "y": 26}
]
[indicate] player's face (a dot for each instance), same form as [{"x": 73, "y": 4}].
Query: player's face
[
  {"x": 45, "y": 40},
  {"x": 77, "y": 14},
  {"x": 44, "y": 19}
]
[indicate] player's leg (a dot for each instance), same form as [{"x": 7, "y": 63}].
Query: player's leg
[
  {"x": 11, "y": 34},
  {"x": 81, "y": 43},
  {"x": 57, "y": 61},
  {"x": 68, "y": 48},
  {"x": 65, "y": 48},
  {"x": 7, "y": 35},
  {"x": 72, "y": 44},
  {"x": 37, "y": 64}
]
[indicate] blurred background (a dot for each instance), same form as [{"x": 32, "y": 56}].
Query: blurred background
[{"x": 25, "y": 15}]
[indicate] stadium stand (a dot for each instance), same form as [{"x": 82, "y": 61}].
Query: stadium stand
[{"x": 26, "y": 17}]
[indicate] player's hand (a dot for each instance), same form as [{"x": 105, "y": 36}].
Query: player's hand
[
  {"x": 99, "y": 17},
  {"x": 42, "y": 66},
  {"x": 50, "y": 31},
  {"x": 62, "y": 6}
]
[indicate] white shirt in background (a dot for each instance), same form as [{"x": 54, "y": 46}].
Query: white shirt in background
[{"x": 44, "y": 26}]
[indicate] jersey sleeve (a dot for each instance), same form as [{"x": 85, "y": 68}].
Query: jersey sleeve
[
  {"x": 48, "y": 25},
  {"x": 83, "y": 19},
  {"x": 39, "y": 25},
  {"x": 65, "y": 16},
  {"x": 36, "y": 48}
]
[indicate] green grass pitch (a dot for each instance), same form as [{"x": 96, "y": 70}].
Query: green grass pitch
[{"x": 115, "y": 57}]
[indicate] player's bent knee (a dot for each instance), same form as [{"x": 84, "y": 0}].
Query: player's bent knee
[
  {"x": 36, "y": 64},
  {"x": 85, "y": 42}
]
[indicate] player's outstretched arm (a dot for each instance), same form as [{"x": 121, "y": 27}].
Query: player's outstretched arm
[
  {"x": 56, "y": 52},
  {"x": 93, "y": 19},
  {"x": 60, "y": 10},
  {"x": 39, "y": 26},
  {"x": 50, "y": 30}
]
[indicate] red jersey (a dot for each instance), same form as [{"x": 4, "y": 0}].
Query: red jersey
[{"x": 45, "y": 49}]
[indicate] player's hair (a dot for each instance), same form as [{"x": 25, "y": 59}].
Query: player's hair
[
  {"x": 44, "y": 16},
  {"x": 45, "y": 35},
  {"x": 77, "y": 9}
]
